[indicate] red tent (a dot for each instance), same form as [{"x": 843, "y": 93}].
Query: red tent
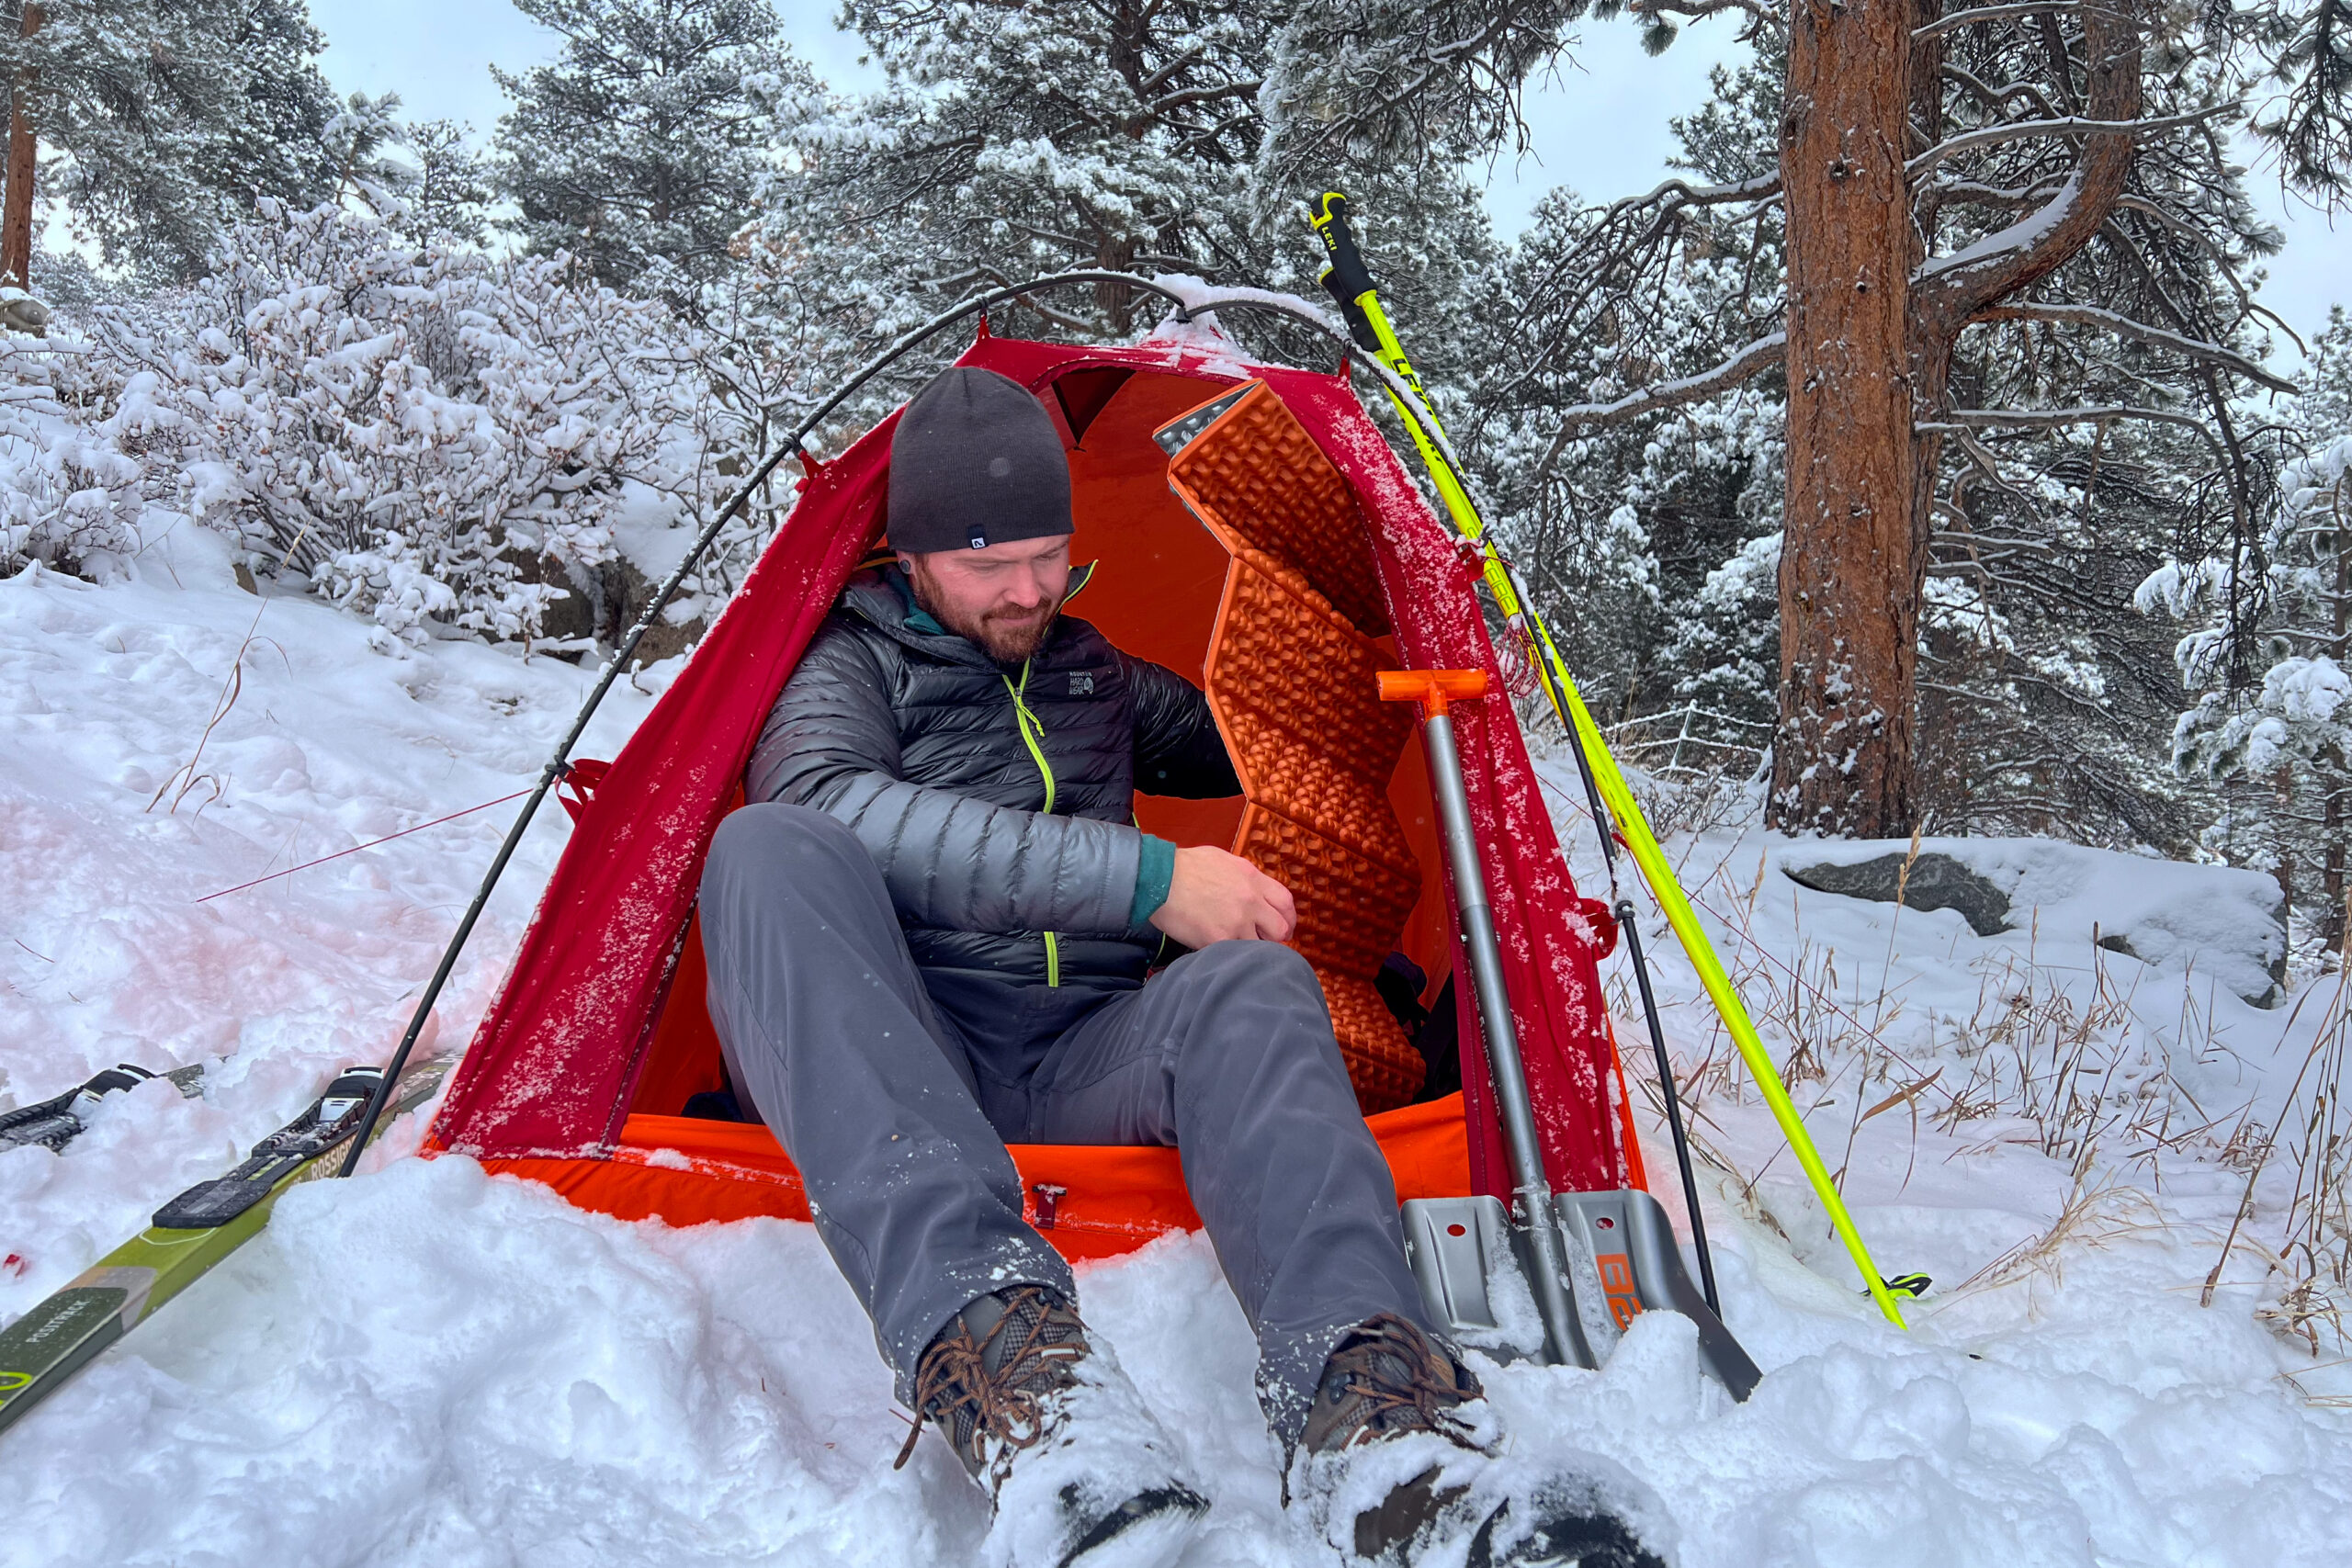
[{"x": 1279, "y": 557}]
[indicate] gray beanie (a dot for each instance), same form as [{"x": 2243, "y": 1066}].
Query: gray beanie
[{"x": 976, "y": 461}]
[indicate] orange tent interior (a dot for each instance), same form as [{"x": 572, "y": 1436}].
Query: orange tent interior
[{"x": 1156, "y": 593}]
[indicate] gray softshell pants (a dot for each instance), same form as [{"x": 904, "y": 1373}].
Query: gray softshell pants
[{"x": 896, "y": 1104}]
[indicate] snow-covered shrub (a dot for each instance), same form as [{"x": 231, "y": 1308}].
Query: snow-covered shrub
[
  {"x": 415, "y": 425},
  {"x": 72, "y": 464},
  {"x": 70, "y": 503}
]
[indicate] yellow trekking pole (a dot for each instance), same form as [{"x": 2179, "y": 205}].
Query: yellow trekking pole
[{"x": 1349, "y": 282}]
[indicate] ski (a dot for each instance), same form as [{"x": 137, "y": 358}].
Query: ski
[
  {"x": 189, "y": 1236},
  {"x": 57, "y": 1122}
]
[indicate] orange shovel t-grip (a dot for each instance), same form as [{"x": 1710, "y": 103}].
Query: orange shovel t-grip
[{"x": 1432, "y": 688}]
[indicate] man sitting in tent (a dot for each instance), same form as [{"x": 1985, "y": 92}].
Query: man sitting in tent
[{"x": 934, "y": 932}]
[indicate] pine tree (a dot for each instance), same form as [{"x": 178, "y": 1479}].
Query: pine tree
[
  {"x": 160, "y": 118},
  {"x": 2268, "y": 661},
  {"x": 272, "y": 142},
  {"x": 1013, "y": 140},
  {"x": 454, "y": 186},
  {"x": 354, "y": 140},
  {"x": 642, "y": 145}
]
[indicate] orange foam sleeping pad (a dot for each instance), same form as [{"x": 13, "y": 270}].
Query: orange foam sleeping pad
[
  {"x": 1292, "y": 677},
  {"x": 1112, "y": 1200}
]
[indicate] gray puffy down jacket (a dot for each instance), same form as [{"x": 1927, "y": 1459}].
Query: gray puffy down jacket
[{"x": 912, "y": 738}]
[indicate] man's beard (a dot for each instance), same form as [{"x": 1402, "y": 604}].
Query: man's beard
[{"x": 1008, "y": 637}]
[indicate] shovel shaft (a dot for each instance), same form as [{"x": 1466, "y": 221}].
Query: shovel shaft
[{"x": 1532, "y": 1188}]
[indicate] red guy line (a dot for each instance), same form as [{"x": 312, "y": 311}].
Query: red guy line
[{"x": 370, "y": 844}]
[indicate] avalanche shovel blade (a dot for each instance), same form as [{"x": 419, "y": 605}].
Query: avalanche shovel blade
[{"x": 1473, "y": 1266}]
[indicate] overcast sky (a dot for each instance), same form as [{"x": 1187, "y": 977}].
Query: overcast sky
[{"x": 1600, "y": 125}]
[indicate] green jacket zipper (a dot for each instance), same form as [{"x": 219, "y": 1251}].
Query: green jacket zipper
[{"x": 1032, "y": 733}]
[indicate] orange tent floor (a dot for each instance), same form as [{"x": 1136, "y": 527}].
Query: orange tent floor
[{"x": 1089, "y": 1200}]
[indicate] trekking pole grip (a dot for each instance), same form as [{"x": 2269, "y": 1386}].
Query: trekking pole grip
[{"x": 1347, "y": 279}]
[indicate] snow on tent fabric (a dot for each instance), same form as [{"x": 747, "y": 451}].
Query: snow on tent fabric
[{"x": 1279, "y": 569}]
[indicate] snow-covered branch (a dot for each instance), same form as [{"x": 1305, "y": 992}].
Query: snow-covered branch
[
  {"x": 2115, "y": 322},
  {"x": 1996, "y": 99},
  {"x": 1976, "y": 15},
  {"x": 2069, "y": 125},
  {"x": 1587, "y": 268},
  {"x": 2054, "y": 418},
  {"x": 1210, "y": 94},
  {"x": 1755, "y": 359},
  {"x": 1951, "y": 290},
  {"x": 1682, "y": 193}
]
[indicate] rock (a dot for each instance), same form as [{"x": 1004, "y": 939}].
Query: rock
[
  {"x": 2160, "y": 946},
  {"x": 2202, "y": 923},
  {"x": 602, "y": 603},
  {"x": 20, "y": 312},
  {"x": 1936, "y": 882}
]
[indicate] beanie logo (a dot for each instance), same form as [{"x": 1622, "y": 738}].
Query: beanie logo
[{"x": 980, "y": 541}]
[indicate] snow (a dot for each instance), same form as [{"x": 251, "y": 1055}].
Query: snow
[
  {"x": 114, "y": 950},
  {"x": 2192, "y": 923},
  {"x": 430, "y": 1366}
]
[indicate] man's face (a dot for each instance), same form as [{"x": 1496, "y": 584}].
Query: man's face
[{"x": 1002, "y": 598}]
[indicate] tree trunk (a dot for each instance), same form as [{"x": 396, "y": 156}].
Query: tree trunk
[
  {"x": 1851, "y": 565},
  {"x": 1871, "y": 333},
  {"x": 17, "y": 207}
]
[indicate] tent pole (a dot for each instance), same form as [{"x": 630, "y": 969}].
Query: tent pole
[{"x": 559, "y": 762}]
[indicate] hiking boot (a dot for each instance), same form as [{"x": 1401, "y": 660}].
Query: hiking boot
[
  {"x": 1569, "y": 1527},
  {"x": 1079, "y": 1469},
  {"x": 1396, "y": 1463},
  {"x": 1392, "y": 1442}
]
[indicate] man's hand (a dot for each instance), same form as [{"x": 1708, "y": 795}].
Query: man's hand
[{"x": 1217, "y": 897}]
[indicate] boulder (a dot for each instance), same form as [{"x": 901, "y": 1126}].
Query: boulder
[
  {"x": 2202, "y": 923},
  {"x": 20, "y": 312},
  {"x": 1936, "y": 882}
]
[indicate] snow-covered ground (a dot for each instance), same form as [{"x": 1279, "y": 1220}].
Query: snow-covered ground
[{"x": 427, "y": 1366}]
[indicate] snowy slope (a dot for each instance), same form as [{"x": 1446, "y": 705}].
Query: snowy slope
[{"x": 426, "y": 1366}]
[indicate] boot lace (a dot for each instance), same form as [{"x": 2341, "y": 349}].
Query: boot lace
[
  {"x": 955, "y": 1387},
  {"x": 1389, "y": 1379}
]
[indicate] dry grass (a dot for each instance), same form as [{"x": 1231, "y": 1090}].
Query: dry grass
[
  {"x": 191, "y": 775},
  {"x": 2081, "y": 1072},
  {"x": 2311, "y": 1264},
  {"x": 2098, "y": 1213}
]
